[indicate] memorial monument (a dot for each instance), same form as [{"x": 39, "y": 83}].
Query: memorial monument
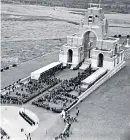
[{"x": 92, "y": 44}]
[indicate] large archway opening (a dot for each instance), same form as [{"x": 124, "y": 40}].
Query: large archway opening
[
  {"x": 89, "y": 42},
  {"x": 100, "y": 60},
  {"x": 70, "y": 56}
]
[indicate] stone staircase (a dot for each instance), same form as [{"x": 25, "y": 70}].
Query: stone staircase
[{"x": 85, "y": 64}]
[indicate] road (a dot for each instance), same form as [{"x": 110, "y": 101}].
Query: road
[{"x": 23, "y": 70}]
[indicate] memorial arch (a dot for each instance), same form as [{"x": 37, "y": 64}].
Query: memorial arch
[
  {"x": 89, "y": 42},
  {"x": 92, "y": 44}
]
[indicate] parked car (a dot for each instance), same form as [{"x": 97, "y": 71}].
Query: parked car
[
  {"x": 6, "y": 68},
  {"x": 14, "y": 65}
]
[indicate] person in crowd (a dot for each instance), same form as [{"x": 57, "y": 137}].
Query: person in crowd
[
  {"x": 63, "y": 113},
  {"x": 2, "y": 137},
  {"x": 77, "y": 111}
]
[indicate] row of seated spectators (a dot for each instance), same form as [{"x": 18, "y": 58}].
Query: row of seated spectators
[
  {"x": 54, "y": 109},
  {"x": 3, "y": 134},
  {"x": 58, "y": 94},
  {"x": 50, "y": 73},
  {"x": 62, "y": 93},
  {"x": 26, "y": 118},
  {"x": 46, "y": 106},
  {"x": 7, "y": 98},
  {"x": 34, "y": 86}
]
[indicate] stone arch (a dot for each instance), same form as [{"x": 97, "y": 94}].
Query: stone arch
[
  {"x": 87, "y": 42},
  {"x": 69, "y": 56},
  {"x": 100, "y": 60},
  {"x": 89, "y": 31}
]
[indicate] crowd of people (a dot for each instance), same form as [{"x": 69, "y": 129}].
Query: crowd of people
[
  {"x": 68, "y": 120},
  {"x": 4, "y": 135},
  {"x": 19, "y": 92},
  {"x": 25, "y": 92},
  {"x": 6, "y": 94},
  {"x": 59, "y": 97},
  {"x": 28, "y": 136}
]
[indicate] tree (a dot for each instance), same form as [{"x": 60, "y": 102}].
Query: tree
[
  {"x": 128, "y": 36},
  {"x": 115, "y": 36}
]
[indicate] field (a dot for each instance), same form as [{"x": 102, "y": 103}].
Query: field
[
  {"x": 108, "y": 5},
  {"x": 29, "y": 31}
]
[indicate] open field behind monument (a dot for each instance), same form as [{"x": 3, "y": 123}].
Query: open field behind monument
[{"x": 29, "y": 31}]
